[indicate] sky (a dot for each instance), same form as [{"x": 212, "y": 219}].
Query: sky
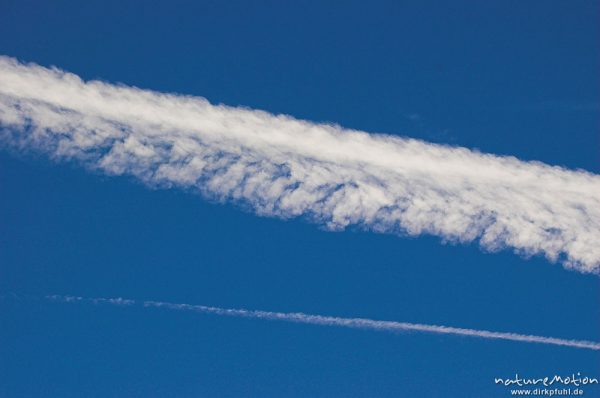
[{"x": 505, "y": 78}]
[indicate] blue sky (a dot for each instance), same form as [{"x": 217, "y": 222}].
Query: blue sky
[{"x": 515, "y": 78}]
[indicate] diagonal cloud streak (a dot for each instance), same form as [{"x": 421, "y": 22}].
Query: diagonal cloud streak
[
  {"x": 355, "y": 323},
  {"x": 283, "y": 167}
]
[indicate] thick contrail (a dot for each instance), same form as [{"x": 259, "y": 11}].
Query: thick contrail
[
  {"x": 356, "y": 323},
  {"x": 283, "y": 167}
]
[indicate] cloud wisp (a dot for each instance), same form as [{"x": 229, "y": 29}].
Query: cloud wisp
[
  {"x": 354, "y": 323},
  {"x": 279, "y": 166}
]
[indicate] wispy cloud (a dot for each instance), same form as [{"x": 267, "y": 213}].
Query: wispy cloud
[
  {"x": 355, "y": 323},
  {"x": 282, "y": 167}
]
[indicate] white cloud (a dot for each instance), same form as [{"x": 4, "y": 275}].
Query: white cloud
[
  {"x": 355, "y": 323},
  {"x": 284, "y": 167}
]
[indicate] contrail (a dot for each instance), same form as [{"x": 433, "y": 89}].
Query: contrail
[
  {"x": 355, "y": 323},
  {"x": 279, "y": 166}
]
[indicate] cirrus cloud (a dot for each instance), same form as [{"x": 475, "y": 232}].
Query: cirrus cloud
[{"x": 283, "y": 167}]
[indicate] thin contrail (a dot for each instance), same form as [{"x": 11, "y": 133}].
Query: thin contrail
[
  {"x": 282, "y": 167},
  {"x": 355, "y": 323}
]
